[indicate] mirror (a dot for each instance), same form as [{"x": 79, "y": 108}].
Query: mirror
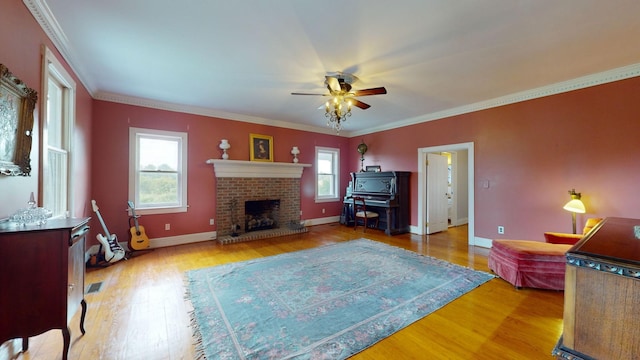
[{"x": 17, "y": 103}]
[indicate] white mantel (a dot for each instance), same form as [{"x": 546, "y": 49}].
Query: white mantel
[{"x": 256, "y": 169}]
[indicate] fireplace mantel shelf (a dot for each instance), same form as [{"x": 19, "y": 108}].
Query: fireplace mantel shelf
[{"x": 256, "y": 169}]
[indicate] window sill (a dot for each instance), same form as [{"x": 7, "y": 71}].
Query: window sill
[{"x": 160, "y": 210}]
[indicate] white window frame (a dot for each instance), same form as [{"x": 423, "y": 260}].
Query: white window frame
[
  {"x": 134, "y": 135},
  {"x": 335, "y": 153},
  {"x": 61, "y": 194}
]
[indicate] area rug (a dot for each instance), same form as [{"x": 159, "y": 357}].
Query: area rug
[{"x": 323, "y": 303}]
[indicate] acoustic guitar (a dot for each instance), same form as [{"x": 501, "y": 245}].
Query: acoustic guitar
[{"x": 138, "y": 239}]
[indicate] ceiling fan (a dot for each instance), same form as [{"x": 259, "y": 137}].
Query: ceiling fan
[
  {"x": 342, "y": 98},
  {"x": 339, "y": 86}
]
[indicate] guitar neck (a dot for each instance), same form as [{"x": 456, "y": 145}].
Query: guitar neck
[
  {"x": 133, "y": 215},
  {"x": 135, "y": 221},
  {"x": 104, "y": 227}
]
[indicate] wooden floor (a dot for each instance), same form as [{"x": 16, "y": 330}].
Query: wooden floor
[{"x": 140, "y": 312}]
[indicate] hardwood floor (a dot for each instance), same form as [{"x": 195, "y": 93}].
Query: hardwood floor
[{"x": 140, "y": 312}]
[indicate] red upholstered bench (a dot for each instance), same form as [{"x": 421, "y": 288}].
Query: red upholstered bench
[
  {"x": 526, "y": 263},
  {"x": 536, "y": 264}
]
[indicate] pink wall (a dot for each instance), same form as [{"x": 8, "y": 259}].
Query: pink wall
[
  {"x": 532, "y": 153},
  {"x": 111, "y": 153},
  {"x": 21, "y": 39}
]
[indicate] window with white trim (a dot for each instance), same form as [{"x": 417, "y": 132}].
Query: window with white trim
[
  {"x": 59, "y": 91},
  {"x": 158, "y": 171},
  {"x": 327, "y": 170}
]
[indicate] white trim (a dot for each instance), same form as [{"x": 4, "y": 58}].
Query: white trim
[
  {"x": 183, "y": 162},
  {"x": 604, "y": 77},
  {"x": 322, "y": 221},
  {"x": 47, "y": 21},
  {"x": 52, "y": 67},
  {"x": 335, "y": 154},
  {"x": 625, "y": 72},
  {"x": 197, "y": 110},
  {"x": 182, "y": 239},
  {"x": 50, "y": 26},
  {"x": 459, "y": 221},
  {"x": 422, "y": 181},
  {"x": 483, "y": 242},
  {"x": 163, "y": 242},
  {"x": 256, "y": 169}
]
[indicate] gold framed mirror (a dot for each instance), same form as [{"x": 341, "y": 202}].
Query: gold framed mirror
[{"x": 17, "y": 103}]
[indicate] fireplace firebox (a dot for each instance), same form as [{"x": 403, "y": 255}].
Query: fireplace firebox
[{"x": 261, "y": 214}]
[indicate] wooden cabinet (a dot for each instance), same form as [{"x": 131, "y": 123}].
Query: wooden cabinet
[
  {"x": 42, "y": 276},
  {"x": 602, "y": 294}
]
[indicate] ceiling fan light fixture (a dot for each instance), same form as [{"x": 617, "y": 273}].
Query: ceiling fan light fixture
[{"x": 336, "y": 114}]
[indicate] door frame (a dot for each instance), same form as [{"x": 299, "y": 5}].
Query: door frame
[{"x": 422, "y": 181}]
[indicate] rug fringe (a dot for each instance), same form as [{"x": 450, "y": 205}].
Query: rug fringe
[{"x": 193, "y": 323}]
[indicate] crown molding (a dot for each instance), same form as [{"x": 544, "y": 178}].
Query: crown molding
[
  {"x": 196, "y": 110},
  {"x": 604, "y": 77},
  {"x": 43, "y": 15}
]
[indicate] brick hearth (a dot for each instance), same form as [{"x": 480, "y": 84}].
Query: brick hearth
[
  {"x": 246, "y": 189},
  {"x": 240, "y": 181}
]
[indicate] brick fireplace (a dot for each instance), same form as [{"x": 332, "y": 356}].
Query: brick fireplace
[{"x": 242, "y": 181}]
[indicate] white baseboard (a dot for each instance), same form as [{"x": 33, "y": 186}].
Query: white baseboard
[
  {"x": 182, "y": 239},
  {"x": 321, "y": 221},
  {"x": 460, "y": 221},
  {"x": 478, "y": 241},
  {"x": 482, "y": 242},
  {"x": 163, "y": 242}
]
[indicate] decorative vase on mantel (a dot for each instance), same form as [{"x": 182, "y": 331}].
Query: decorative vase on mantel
[
  {"x": 224, "y": 145},
  {"x": 295, "y": 151}
]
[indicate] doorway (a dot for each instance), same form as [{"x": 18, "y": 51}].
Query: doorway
[{"x": 423, "y": 184}]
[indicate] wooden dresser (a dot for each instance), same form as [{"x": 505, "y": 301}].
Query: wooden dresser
[
  {"x": 42, "y": 276},
  {"x": 602, "y": 294}
]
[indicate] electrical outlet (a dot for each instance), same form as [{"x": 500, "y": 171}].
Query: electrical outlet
[
  {"x": 167, "y": 226},
  {"x": 501, "y": 230},
  {"x": 211, "y": 222},
  {"x": 323, "y": 211}
]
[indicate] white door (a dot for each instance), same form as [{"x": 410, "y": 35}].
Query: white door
[{"x": 437, "y": 217}]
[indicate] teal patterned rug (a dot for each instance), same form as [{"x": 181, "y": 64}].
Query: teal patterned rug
[{"x": 323, "y": 303}]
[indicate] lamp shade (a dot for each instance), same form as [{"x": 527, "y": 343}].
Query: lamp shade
[{"x": 576, "y": 206}]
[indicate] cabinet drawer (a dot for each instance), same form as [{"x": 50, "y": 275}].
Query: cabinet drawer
[{"x": 78, "y": 233}]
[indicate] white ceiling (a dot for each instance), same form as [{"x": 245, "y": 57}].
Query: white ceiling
[{"x": 241, "y": 59}]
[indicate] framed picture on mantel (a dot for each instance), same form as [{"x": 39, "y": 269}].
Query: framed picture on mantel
[{"x": 261, "y": 147}]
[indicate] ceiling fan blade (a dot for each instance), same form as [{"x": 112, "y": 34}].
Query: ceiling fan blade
[
  {"x": 372, "y": 91},
  {"x": 359, "y": 103},
  {"x": 333, "y": 84},
  {"x": 298, "y": 93}
]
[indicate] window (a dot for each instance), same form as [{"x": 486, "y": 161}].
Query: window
[
  {"x": 327, "y": 169},
  {"x": 57, "y": 127},
  {"x": 158, "y": 171}
]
